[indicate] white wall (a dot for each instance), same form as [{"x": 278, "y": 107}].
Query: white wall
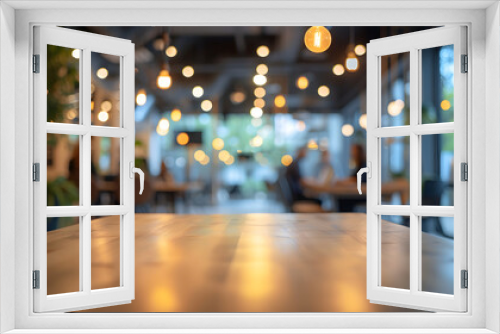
[
  {"x": 7, "y": 160},
  {"x": 493, "y": 161}
]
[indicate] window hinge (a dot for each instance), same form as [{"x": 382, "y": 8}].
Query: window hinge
[
  {"x": 36, "y": 279},
  {"x": 36, "y": 172},
  {"x": 465, "y": 64},
  {"x": 465, "y": 279},
  {"x": 36, "y": 63},
  {"x": 464, "y": 171}
]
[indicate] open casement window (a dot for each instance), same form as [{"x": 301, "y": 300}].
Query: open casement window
[
  {"x": 83, "y": 150},
  {"x": 417, "y": 143}
]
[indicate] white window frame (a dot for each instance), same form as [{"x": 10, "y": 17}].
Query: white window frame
[
  {"x": 483, "y": 27},
  {"x": 87, "y": 43},
  {"x": 413, "y": 44}
]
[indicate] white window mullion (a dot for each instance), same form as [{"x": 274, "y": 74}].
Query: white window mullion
[{"x": 414, "y": 171}]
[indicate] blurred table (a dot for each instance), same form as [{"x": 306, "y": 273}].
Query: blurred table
[
  {"x": 253, "y": 262},
  {"x": 172, "y": 191}
]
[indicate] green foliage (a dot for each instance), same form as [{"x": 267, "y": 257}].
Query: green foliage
[
  {"x": 61, "y": 192},
  {"x": 62, "y": 81}
]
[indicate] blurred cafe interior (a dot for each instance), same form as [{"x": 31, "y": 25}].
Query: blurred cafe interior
[{"x": 250, "y": 142}]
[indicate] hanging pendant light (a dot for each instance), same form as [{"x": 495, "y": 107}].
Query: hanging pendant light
[
  {"x": 317, "y": 39},
  {"x": 164, "y": 80},
  {"x": 351, "y": 61}
]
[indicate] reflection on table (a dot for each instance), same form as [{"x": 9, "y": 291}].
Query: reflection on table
[{"x": 250, "y": 263}]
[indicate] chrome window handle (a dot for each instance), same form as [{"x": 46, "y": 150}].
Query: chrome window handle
[
  {"x": 368, "y": 172},
  {"x": 133, "y": 170}
]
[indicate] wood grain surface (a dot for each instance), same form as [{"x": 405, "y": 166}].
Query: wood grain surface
[{"x": 248, "y": 262}]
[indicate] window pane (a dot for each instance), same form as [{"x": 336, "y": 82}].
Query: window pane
[
  {"x": 395, "y": 251},
  {"x": 395, "y": 170},
  {"x": 63, "y": 170},
  {"x": 437, "y": 254},
  {"x": 105, "y": 170},
  {"x": 437, "y": 84},
  {"x": 437, "y": 169},
  {"x": 395, "y": 97},
  {"x": 63, "y": 82},
  {"x": 105, "y": 252},
  {"x": 105, "y": 89},
  {"x": 63, "y": 255}
]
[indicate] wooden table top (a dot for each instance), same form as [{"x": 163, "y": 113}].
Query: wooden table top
[{"x": 247, "y": 262}]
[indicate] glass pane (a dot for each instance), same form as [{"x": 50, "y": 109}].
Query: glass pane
[
  {"x": 105, "y": 90},
  {"x": 63, "y": 170},
  {"x": 437, "y": 169},
  {"x": 395, "y": 170},
  {"x": 105, "y": 252},
  {"x": 105, "y": 170},
  {"x": 63, "y": 255},
  {"x": 437, "y": 254},
  {"x": 395, "y": 251},
  {"x": 63, "y": 85},
  {"x": 395, "y": 81},
  {"x": 437, "y": 84}
]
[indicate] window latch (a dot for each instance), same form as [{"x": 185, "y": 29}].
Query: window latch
[{"x": 368, "y": 171}]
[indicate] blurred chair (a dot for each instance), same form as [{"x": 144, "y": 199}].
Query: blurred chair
[{"x": 301, "y": 206}]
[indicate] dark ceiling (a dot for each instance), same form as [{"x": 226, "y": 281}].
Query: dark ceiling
[{"x": 224, "y": 60}]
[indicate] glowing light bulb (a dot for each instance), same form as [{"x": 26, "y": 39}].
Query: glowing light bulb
[
  {"x": 256, "y": 141},
  {"x": 279, "y": 101},
  {"x": 260, "y": 103},
  {"x": 76, "y": 53},
  {"x": 218, "y": 144},
  {"x": 199, "y": 155},
  {"x": 175, "y": 115},
  {"x": 229, "y": 161},
  {"x": 338, "y": 69},
  {"x": 237, "y": 97},
  {"x": 256, "y": 112},
  {"x": 206, "y": 105},
  {"x": 347, "y": 130},
  {"x": 164, "y": 80},
  {"x": 394, "y": 108},
  {"x": 259, "y": 92},
  {"x": 360, "y": 50},
  {"x": 224, "y": 155},
  {"x": 141, "y": 97},
  {"x": 103, "y": 116},
  {"x": 312, "y": 145},
  {"x": 188, "y": 71},
  {"x": 363, "y": 121},
  {"x": 445, "y": 105},
  {"x": 323, "y": 91},
  {"x": 351, "y": 62},
  {"x": 106, "y": 105},
  {"x": 163, "y": 127},
  {"x": 317, "y": 39},
  {"x": 205, "y": 160},
  {"x": 182, "y": 138},
  {"x": 259, "y": 79},
  {"x": 262, "y": 69},
  {"x": 262, "y": 51},
  {"x": 171, "y": 51},
  {"x": 302, "y": 83},
  {"x": 102, "y": 73},
  {"x": 198, "y": 91},
  {"x": 286, "y": 160}
]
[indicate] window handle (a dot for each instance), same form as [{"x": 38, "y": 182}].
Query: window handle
[
  {"x": 368, "y": 172},
  {"x": 141, "y": 175}
]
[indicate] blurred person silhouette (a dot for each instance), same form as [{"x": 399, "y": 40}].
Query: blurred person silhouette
[{"x": 295, "y": 180}]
